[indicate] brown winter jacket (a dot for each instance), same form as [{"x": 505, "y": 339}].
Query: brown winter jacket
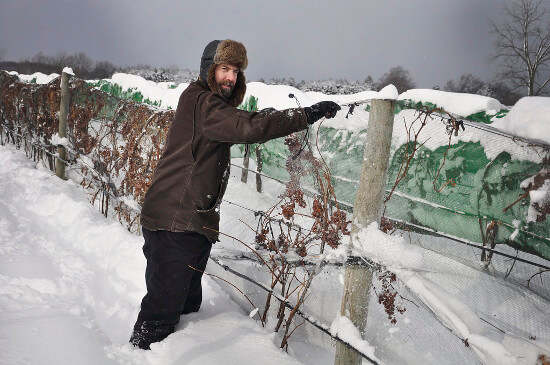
[{"x": 192, "y": 173}]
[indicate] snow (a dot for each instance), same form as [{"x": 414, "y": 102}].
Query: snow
[
  {"x": 39, "y": 76},
  {"x": 253, "y": 313},
  {"x": 149, "y": 89},
  {"x": 387, "y": 93},
  {"x": 68, "y": 70},
  {"x": 71, "y": 282},
  {"x": 540, "y": 197},
  {"x": 529, "y": 118},
  {"x": 56, "y": 140},
  {"x": 277, "y": 96},
  {"x": 423, "y": 272},
  {"x": 457, "y": 103},
  {"x": 346, "y": 330}
]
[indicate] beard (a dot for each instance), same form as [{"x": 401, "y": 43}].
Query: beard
[{"x": 226, "y": 93}]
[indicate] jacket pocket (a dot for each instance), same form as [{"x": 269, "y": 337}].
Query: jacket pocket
[{"x": 210, "y": 203}]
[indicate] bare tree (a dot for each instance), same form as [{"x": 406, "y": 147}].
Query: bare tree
[
  {"x": 369, "y": 83},
  {"x": 467, "y": 83},
  {"x": 522, "y": 45},
  {"x": 397, "y": 76},
  {"x": 504, "y": 94},
  {"x": 40, "y": 57},
  {"x": 81, "y": 62},
  {"x": 102, "y": 69},
  {"x": 3, "y": 52}
]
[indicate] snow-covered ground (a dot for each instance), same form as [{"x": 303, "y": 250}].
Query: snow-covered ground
[{"x": 72, "y": 280}]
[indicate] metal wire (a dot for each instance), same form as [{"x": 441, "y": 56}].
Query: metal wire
[
  {"x": 476, "y": 125},
  {"x": 74, "y": 167},
  {"x": 294, "y": 226},
  {"x": 320, "y": 326}
]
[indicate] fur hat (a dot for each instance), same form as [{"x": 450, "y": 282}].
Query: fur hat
[{"x": 232, "y": 53}]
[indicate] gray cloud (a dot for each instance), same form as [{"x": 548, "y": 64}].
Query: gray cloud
[{"x": 435, "y": 39}]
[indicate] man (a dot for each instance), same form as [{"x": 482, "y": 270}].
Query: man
[{"x": 180, "y": 215}]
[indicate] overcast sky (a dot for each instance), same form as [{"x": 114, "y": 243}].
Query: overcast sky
[{"x": 436, "y": 40}]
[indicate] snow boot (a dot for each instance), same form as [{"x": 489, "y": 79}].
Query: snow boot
[{"x": 147, "y": 332}]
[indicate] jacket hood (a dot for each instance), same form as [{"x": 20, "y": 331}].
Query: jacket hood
[{"x": 230, "y": 52}]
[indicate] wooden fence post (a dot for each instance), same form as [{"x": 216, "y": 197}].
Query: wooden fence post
[
  {"x": 259, "y": 165},
  {"x": 246, "y": 159},
  {"x": 367, "y": 209},
  {"x": 250, "y": 105},
  {"x": 63, "y": 112}
]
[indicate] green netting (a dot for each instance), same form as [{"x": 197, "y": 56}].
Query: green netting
[
  {"x": 250, "y": 104},
  {"x": 481, "y": 187},
  {"x": 128, "y": 94}
]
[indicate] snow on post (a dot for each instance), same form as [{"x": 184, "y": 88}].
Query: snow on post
[
  {"x": 68, "y": 71},
  {"x": 387, "y": 93}
]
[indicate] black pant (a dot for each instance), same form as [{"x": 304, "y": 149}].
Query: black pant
[{"x": 173, "y": 286}]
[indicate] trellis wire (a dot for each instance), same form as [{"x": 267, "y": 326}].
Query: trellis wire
[
  {"x": 296, "y": 227},
  {"x": 320, "y": 326},
  {"x": 413, "y": 227},
  {"x": 74, "y": 167},
  {"x": 473, "y": 124},
  {"x": 353, "y": 259},
  {"x": 470, "y": 123}
]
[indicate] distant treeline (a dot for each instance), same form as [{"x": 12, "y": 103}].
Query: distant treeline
[
  {"x": 85, "y": 67},
  {"x": 401, "y": 78},
  {"x": 470, "y": 84}
]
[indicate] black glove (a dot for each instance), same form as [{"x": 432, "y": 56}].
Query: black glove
[{"x": 322, "y": 109}]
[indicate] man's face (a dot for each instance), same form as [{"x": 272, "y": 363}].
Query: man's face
[{"x": 226, "y": 76}]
